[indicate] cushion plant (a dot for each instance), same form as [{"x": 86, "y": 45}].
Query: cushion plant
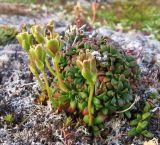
[{"x": 90, "y": 77}]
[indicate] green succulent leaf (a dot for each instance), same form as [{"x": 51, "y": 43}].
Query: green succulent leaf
[
  {"x": 146, "y": 116},
  {"x": 125, "y": 90},
  {"x": 113, "y": 101},
  {"x": 99, "y": 119},
  {"x": 142, "y": 124},
  {"x": 122, "y": 77},
  {"x": 110, "y": 93},
  {"x": 25, "y": 45},
  {"x": 129, "y": 58},
  {"x": 107, "y": 104},
  {"x": 96, "y": 101},
  {"x": 83, "y": 94},
  {"x": 113, "y": 51},
  {"x": 147, "y": 107},
  {"x": 98, "y": 107},
  {"x": 126, "y": 72},
  {"x": 132, "y": 132},
  {"x": 120, "y": 102},
  {"x": 80, "y": 106},
  {"x": 86, "y": 119},
  {"x": 109, "y": 73},
  {"x": 114, "y": 81},
  {"x": 101, "y": 95},
  {"x": 105, "y": 98},
  {"x": 139, "y": 130},
  {"x": 147, "y": 134},
  {"x": 120, "y": 85},
  {"x": 134, "y": 122},
  {"x": 139, "y": 117}
]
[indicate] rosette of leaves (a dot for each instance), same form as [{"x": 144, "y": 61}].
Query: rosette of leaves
[
  {"x": 117, "y": 74},
  {"x": 140, "y": 123}
]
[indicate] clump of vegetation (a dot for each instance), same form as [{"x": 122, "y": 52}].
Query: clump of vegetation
[
  {"x": 140, "y": 124},
  {"x": 7, "y": 34},
  {"x": 146, "y": 16},
  {"x": 9, "y": 118},
  {"x": 90, "y": 78}
]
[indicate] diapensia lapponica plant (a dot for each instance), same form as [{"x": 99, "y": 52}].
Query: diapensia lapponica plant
[{"x": 90, "y": 77}]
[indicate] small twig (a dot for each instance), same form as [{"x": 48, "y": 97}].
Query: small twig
[
  {"x": 155, "y": 109},
  {"x": 81, "y": 28},
  {"x": 28, "y": 84},
  {"x": 135, "y": 101},
  {"x": 74, "y": 40},
  {"x": 11, "y": 52}
]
